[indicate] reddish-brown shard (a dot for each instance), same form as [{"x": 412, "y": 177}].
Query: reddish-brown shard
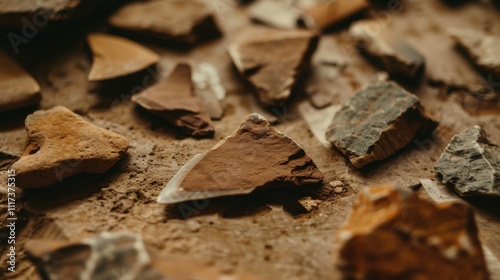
[
  {"x": 178, "y": 21},
  {"x": 255, "y": 156},
  {"x": 393, "y": 234},
  {"x": 326, "y": 13},
  {"x": 174, "y": 99},
  {"x": 116, "y": 57},
  {"x": 273, "y": 61}
]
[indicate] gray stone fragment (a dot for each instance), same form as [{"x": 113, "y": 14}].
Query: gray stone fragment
[
  {"x": 471, "y": 163},
  {"x": 376, "y": 122}
]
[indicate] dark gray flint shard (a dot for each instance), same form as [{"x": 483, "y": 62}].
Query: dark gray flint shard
[
  {"x": 376, "y": 122},
  {"x": 390, "y": 53},
  {"x": 471, "y": 163}
]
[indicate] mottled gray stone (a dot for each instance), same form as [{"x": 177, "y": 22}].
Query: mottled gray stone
[
  {"x": 376, "y": 122},
  {"x": 471, "y": 163}
]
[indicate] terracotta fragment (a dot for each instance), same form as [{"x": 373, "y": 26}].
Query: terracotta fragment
[
  {"x": 174, "y": 99},
  {"x": 181, "y": 21},
  {"x": 18, "y": 88},
  {"x": 326, "y": 13},
  {"x": 61, "y": 144},
  {"x": 273, "y": 61},
  {"x": 393, "y": 234},
  {"x": 376, "y": 122},
  {"x": 115, "y": 57},
  {"x": 392, "y": 54},
  {"x": 471, "y": 163},
  {"x": 255, "y": 156}
]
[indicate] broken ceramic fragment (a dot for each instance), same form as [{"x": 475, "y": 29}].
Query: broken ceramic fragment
[
  {"x": 256, "y": 156},
  {"x": 209, "y": 89},
  {"x": 178, "y": 21},
  {"x": 323, "y": 14},
  {"x": 471, "y": 163},
  {"x": 277, "y": 14},
  {"x": 481, "y": 49},
  {"x": 273, "y": 61},
  {"x": 61, "y": 144},
  {"x": 18, "y": 88},
  {"x": 116, "y": 57},
  {"x": 174, "y": 99},
  {"x": 376, "y": 122},
  {"x": 392, "y": 54},
  {"x": 393, "y": 234}
]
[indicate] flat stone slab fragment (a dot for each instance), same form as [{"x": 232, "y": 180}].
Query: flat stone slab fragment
[
  {"x": 255, "y": 156},
  {"x": 390, "y": 53},
  {"x": 471, "y": 164},
  {"x": 60, "y": 144},
  {"x": 174, "y": 99},
  {"x": 181, "y": 21},
  {"x": 273, "y": 61},
  {"x": 278, "y": 14},
  {"x": 323, "y": 14},
  {"x": 115, "y": 57},
  {"x": 376, "y": 122},
  {"x": 481, "y": 49},
  {"x": 393, "y": 234},
  {"x": 209, "y": 89},
  {"x": 17, "y": 87}
]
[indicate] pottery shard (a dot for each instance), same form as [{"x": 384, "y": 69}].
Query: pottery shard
[
  {"x": 322, "y": 14},
  {"x": 174, "y": 99},
  {"x": 393, "y": 234},
  {"x": 471, "y": 163},
  {"x": 116, "y": 57},
  {"x": 273, "y": 61},
  {"x": 18, "y": 88},
  {"x": 180, "y": 21},
  {"x": 481, "y": 49},
  {"x": 60, "y": 144},
  {"x": 376, "y": 122},
  {"x": 392, "y": 54},
  {"x": 255, "y": 156}
]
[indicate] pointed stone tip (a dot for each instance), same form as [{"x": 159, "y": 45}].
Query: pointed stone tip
[{"x": 256, "y": 117}]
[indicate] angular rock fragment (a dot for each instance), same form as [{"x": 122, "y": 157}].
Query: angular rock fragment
[
  {"x": 376, "y": 122},
  {"x": 178, "y": 21},
  {"x": 273, "y": 62},
  {"x": 209, "y": 89},
  {"x": 61, "y": 144},
  {"x": 471, "y": 163},
  {"x": 277, "y": 14},
  {"x": 116, "y": 57},
  {"x": 174, "y": 99},
  {"x": 481, "y": 49},
  {"x": 323, "y": 14},
  {"x": 393, "y": 234},
  {"x": 392, "y": 54},
  {"x": 18, "y": 88},
  {"x": 255, "y": 156}
]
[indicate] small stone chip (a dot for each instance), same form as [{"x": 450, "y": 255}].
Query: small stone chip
[
  {"x": 376, "y": 122},
  {"x": 393, "y": 234},
  {"x": 323, "y": 14},
  {"x": 471, "y": 163}
]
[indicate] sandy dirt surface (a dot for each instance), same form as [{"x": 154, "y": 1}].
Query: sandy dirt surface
[{"x": 267, "y": 233}]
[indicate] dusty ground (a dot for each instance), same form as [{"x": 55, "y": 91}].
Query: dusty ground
[{"x": 267, "y": 233}]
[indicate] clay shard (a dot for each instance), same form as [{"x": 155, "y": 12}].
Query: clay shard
[
  {"x": 392, "y": 54},
  {"x": 471, "y": 163},
  {"x": 178, "y": 21},
  {"x": 255, "y": 156},
  {"x": 393, "y": 234},
  {"x": 61, "y": 144},
  {"x": 277, "y": 14},
  {"x": 323, "y": 14},
  {"x": 376, "y": 122},
  {"x": 209, "y": 89},
  {"x": 116, "y": 57},
  {"x": 18, "y": 88},
  {"x": 481, "y": 49},
  {"x": 273, "y": 61},
  {"x": 174, "y": 99}
]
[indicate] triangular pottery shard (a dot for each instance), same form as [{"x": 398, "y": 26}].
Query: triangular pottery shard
[
  {"x": 174, "y": 99},
  {"x": 116, "y": 57},
  {"x": 255, "y": 156},
  {"x": 273, "y": 61}
]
